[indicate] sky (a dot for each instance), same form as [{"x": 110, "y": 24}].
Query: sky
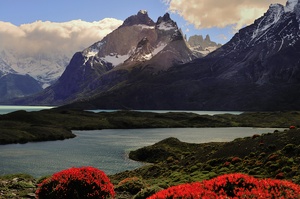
[{"x": 76, "y": 24}]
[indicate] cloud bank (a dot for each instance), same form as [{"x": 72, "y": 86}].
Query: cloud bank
[
  {"x": 47, "y": 37},
  {"x": 216, "y": 13}
]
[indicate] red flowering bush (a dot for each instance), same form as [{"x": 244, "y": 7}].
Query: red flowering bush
[
  {"x": 232, "y": 186},
  {"x": 76, "y": 183},
  {"x": 186, "y": 191}
]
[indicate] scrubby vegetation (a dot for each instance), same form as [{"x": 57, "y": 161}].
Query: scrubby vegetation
[
  {"x": 274, "y": 155},
  {"x": 260, "y": 166}
]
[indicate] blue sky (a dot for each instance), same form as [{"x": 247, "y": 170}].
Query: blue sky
[{"x": 187, "y": 13}]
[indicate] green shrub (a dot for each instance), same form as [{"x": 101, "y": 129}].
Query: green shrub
[
  {"x": 286, "y": 169},
  {"x": 132, "y": 185},
  {"x": 146, "y": 192},
  {"x": 289, "y": 148},
  {"x": 207, "y": 167}
]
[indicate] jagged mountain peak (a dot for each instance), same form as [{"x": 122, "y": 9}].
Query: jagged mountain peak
[
  {"x": 165, "y": 22},
  {"x": 165, "y": 18},
  {"x": 141, "y": 18},
  {"x": 271, "y": 17},
  {"x": 207, "y": 38},
  {"x": 123, "y": 43}
]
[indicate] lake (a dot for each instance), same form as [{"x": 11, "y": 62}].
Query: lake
[{"x": 105, "y": 149}]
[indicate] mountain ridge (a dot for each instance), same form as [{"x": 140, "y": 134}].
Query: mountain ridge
[
  {"x": 137, "y": 44},
  {"x": 258, "y": 69}
]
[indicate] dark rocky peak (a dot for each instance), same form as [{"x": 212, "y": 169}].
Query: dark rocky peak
[
  {"x": 277, "y": 28},
  {"x": 166, "y": 19},
  {"x": 168, "y": 29},
  {"x": 207, "y": 38},
  {"x": 141, "y": 18}
]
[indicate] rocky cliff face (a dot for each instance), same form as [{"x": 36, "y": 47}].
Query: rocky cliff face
[
  {"x": 264, "y": 52},
  {"x": 258, "y": 69},
  {"x": 138, "y": 44}
]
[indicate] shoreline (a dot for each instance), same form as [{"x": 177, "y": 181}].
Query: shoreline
[{"x": 55, "y": 124}]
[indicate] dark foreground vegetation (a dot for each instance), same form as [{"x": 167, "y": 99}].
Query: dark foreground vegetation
[
  {"x": 171, "y": 162},
  {"x": 56, "y": 124}
]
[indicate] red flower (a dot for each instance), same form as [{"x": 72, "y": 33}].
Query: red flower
[
  {"x": 292, "y": 127},
  {"x": 232, "y": 186},
  {"x": 76, "y": 183}
]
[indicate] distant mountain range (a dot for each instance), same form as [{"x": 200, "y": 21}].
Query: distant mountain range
[
  {"x": 45, "y": 68},
  {"x": 139, "y": 44},
  {"x": 202, "y": 46},
  {"x": 149, "y": 65}
]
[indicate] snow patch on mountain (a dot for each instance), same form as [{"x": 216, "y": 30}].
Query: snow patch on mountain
[
  {"x": 272, "y": 17},
  {"x": 290, "y": 5},
  {"x": 92, "y": 53},
  {"x": 143, "y": 12},
  {"x": 159, "y": 48},
  {"x": 142, "y": 26},
  {"x": 115, "y": 59},
  {"x": 166, "y": 26}
]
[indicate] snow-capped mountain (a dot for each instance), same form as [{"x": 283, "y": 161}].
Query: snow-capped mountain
[
  {"x": 123, "y": 45},
  {"x": 42, "y": 50},
  {"x": 146, "y": 66},
  {"x": 252, "y": 52},
  {"x": 139, "y": 44},
  {"x": 45, "y": 68},
  {"x": 257, "y": 70},
  {"x": 22, "y": 75}
]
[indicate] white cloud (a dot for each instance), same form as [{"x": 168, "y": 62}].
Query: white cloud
[
  {"x": 47, "y": 36},
  {"x": 216, "y": 13}
]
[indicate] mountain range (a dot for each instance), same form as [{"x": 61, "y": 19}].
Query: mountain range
[
  {"x": 46, "y": 66},
  {"x": 149, "y": 65}
]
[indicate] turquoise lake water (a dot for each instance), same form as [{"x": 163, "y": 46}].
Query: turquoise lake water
[{"x": 105, "y": 149}]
